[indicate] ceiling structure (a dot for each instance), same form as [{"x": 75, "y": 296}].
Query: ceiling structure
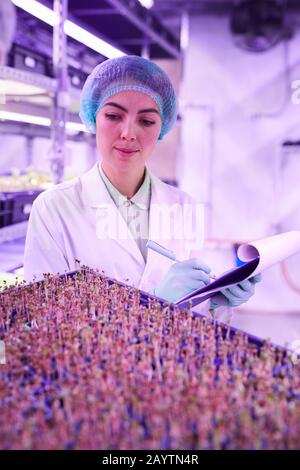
[
  {"x": 135, "y": 29},
  {"x": 123, "y": 23},
  {"x": 126, "y": 24}
]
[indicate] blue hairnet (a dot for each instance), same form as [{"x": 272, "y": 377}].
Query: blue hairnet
[{"x": 127, "y": 73}]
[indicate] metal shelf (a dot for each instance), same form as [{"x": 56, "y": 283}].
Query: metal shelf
[
  {"x": 13, "y": 232},
  {"x": 27, "y": 104},
  {"x": 35, "y": 79}
]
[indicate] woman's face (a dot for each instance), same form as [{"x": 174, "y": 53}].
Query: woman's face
[{"x": 127, "y": 129}]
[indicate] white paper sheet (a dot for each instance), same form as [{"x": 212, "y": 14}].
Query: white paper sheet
[{"x": 271, "y": 250}]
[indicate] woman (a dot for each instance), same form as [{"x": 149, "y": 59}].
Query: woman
[{"x": 105, "y": 217}]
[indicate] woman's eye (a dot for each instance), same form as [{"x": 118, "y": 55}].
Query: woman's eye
[
  {"x": 146, "y": 122},
  {"x": 112, "y": 117}
]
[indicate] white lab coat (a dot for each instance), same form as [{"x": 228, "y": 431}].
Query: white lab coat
[{"x": 64, "y": 226}]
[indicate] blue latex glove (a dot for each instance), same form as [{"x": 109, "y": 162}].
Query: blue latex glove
[
  {"x": 235, "y": 295},
  {"x": 182, "y": 278}
]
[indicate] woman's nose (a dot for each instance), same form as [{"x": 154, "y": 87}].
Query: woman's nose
[{"x": 128, "y": 131}]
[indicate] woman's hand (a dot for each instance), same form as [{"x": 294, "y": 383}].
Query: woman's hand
[
  {"x": 182, "y": 278},
  {"x": 235, "y": 295}
]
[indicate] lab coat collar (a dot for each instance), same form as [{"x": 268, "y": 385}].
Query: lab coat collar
[
  {"x": 94, "y": 192},
  {"x": 95, "y": 195},
  {"x": 141, "y": 198}
]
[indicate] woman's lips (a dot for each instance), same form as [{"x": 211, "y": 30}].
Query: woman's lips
[{"x": 126, "y": 151}]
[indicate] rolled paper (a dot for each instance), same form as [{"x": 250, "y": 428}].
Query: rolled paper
[
  {"x": 257, "y": 256},
  {"x": 270, "y": 250}
]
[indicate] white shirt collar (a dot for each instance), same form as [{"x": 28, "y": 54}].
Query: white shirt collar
[{"x": 141, "y": 198}]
